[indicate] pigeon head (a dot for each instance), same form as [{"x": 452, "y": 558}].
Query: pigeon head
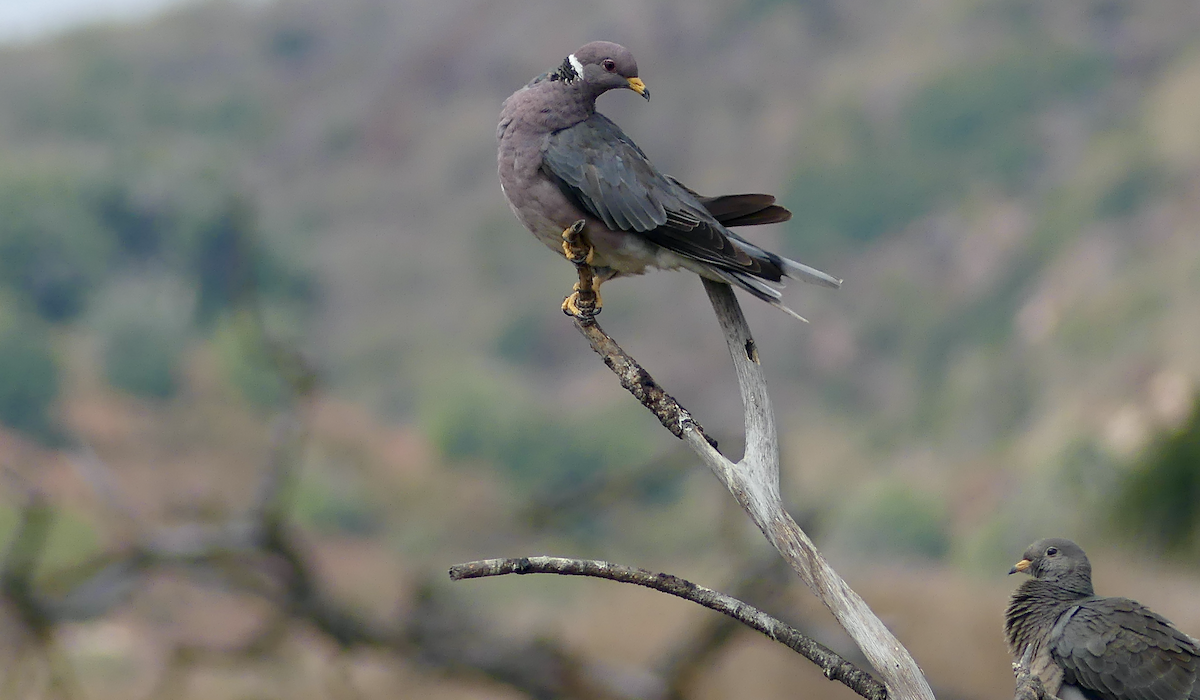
[
  {"x": 604, "y": 66},
  {"x": 1056, "y": 560}
]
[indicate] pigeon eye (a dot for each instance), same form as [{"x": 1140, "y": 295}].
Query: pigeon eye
[
  {"x": 1051, "y": 551},
  {"x": 609, "y": 65}
]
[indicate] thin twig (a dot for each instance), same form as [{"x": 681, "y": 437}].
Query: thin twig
[
  {"x": 21, "y": 562},
  {"x": 93, "y": 470},
  {"x": 833, "y": 666},
  {"x": 634, "y": 379},
  {"x": 16, "y": 586}
]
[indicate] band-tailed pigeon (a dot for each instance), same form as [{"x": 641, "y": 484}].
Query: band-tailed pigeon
[
  {"x": 1093, "y": 648},
  {"x": 561, "y": 162}
]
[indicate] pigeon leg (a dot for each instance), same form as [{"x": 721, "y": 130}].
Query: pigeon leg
[
  {"x": 576, "y": 246},
  {"x": 584, "y": 300}
]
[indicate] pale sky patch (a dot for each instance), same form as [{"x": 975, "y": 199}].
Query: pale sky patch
[{"x": 26, "y": 20}]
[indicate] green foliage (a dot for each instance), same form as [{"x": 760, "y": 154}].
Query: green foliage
[
  {"x": 518, "y": 341},
  {"x": 138, "y": 229},
  {"x": 139, "y": 357},
  {"x": 335, "y": 504},
  {"x": 896, "y": 521},
  {"x": 980, "y": 116},
  {"x": 72, "y": 540},
  {"x": 878, "y": 182},
  {"x": 533, "y": 339},
  {"x": 52, "y": 249},
  {"x": 29, "y": 377},
  {"x": 293, "y": 44},
  {"x": 246, "y": 362},
  {"x": 1088, "y": 473},
  {"x": 224, "y": 253},
  {"x": 71, "y": 239},
  {"x": 65, "y": 234},
  {"x": 221, "y": 258},
  {"x": 1127, "y": 194},
  {"x": 532, "y": 444},
  {"x": 975, "y": 122},
  {"x": 143, "y": 325},
  {"x": 1160, "y": 500},
  {"x": 105, "y": 92},
  {"x": 997, "y": 543}
]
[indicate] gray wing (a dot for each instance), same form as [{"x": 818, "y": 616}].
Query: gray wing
[
  {"x": 603, "y": 171},
  {"x": 1117, "y": 649}
]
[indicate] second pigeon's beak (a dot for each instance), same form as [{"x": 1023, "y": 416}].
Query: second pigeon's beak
[
  {"x": 639, "y": 87},
  {"x": 1020, "y": 566}
]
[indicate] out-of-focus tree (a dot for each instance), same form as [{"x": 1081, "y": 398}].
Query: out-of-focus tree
[
  {"x": 1160, "y": 499},
  {"x": 144, "y": 326},
  {"x": 974, "y": 122},
  {"x": 29, "y": 376}
]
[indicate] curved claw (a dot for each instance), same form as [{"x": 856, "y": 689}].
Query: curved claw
[
  {"x": 570, "y": 305},
  {"x": 579, "y": 306},
  {"x": 574, "y": 243}
]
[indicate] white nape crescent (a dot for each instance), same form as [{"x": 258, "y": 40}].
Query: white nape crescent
[{"x": 576, "y": 65}]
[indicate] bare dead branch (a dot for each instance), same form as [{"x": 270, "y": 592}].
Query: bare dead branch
[
  {"x": 21, "y": 561},
  {"x": 274, "y": 491},
  {"x": 258, "y": 552},
  {"x": 833, "y": 666},
  {"x": 634, "y": 379},
  {"x": 93, "y": 470},
  {"x": 1029, "y": 685},
  {"x": 754, "y": 481},
  {"x": 16, "y": 587}
]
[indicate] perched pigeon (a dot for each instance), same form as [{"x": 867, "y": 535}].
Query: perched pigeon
[
  {"x": 560, "y": 161},
  {"x": 1090, "y": 648}
]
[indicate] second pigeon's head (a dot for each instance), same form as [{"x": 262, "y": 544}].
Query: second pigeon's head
[
  {"x": 603, "y": 66},
  {"x": 1058, "y": 560}
]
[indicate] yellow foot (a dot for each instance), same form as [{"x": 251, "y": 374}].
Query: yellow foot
[
  {"x": 574, "y": 244},
  {"x": 575, "y": 305}
]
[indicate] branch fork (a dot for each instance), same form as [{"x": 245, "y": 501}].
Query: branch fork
[{"x": 754, "y": 480}]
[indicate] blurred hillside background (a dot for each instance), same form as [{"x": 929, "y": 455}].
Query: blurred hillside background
[{"x": 198, "y": 205}]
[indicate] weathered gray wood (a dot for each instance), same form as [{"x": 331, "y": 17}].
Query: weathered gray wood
[
  {"x": 754, "y": 482},
  {"x": 832, "y": 666}
]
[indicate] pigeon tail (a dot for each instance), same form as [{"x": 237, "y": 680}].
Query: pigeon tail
[
  {"x": 786, "y": 266},
  {"x": 804, "y": 273},
  {"x": 759, "y": 289}
]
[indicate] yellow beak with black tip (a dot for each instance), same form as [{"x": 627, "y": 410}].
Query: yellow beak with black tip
[
  {"x": 639, "y": 87},
  {"x": 1020, "y": 566}
]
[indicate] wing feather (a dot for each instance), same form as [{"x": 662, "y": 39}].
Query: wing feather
[
  {"x": 1120, "y": 650},
  {"x": 600, "y": 168}
]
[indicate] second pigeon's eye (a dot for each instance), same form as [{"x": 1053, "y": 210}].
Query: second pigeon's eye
[
  {"x": 1051, "y": 551},
  {"x": 609, "y": 65}
]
